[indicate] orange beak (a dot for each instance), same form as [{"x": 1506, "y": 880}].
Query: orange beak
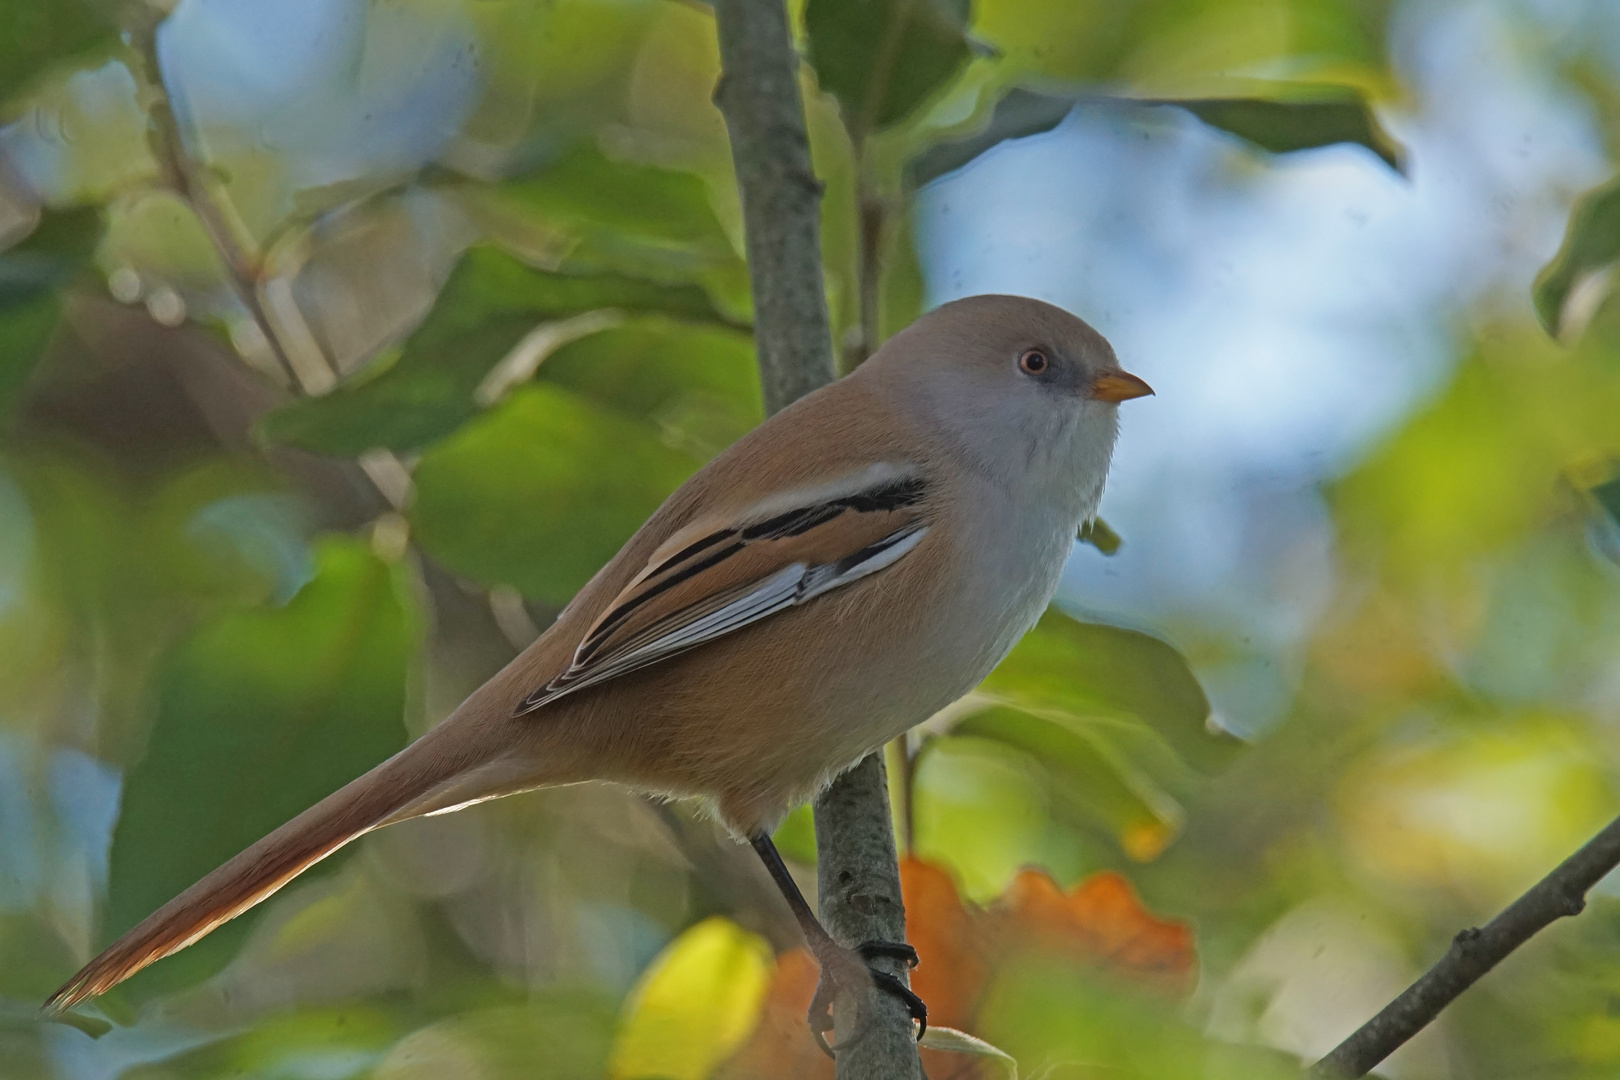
[{"x": 1118, "y": 386}]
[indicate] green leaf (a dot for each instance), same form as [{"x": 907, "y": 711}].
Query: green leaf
[
  {"x": 491, "y": 303},
  {"x": 622, "y": 214},
  {"x": 883, "y": 58},
  {"x": 1161, "y": 42},
  {"x": 1591, "y": 242},
  {"x": 1106, "y": 672},
  {"x": 1608, "y": 496},
  {"x": 259, "y": 715},
  {"x": 32, "y": 275},
  {"x": 1097, "y": 533},
  {"x": 795, "y": 838},
  {"x": 47, "y": 258},
  {"x": 554, "y": 69},
  {"x": 982, "y": 809},
  {"x": 25, "y": 330},
  {"x": 698, "y": 384},
  {"x": 1019, "y": 113},
  {"x": 902, "y": 292},
  {"x": 608, "y": 215},
  {"x": 1088, "y": 775},
  {"x": 1337, "y": 116},
  {"x": 541, "y": 492},
  {"x": 1299, "y": 117},
  {"x": 35, "y": 35}
]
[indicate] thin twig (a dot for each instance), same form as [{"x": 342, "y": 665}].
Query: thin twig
[
  {"x": 903, "y": 749},
  {"x": 858, "y": 873},
  {"x": 1474, "y": 952},
  {"x": 873, "y": 226},
  {"x": 182, "y": 175}
]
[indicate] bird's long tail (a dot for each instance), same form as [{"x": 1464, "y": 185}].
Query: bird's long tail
[{"x": 411, "y": 783}]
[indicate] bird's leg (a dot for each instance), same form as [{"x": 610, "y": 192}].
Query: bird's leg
[{"x": 850, "y": 970}]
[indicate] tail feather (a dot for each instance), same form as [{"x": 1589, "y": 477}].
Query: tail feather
[{"x": 391, "y": 792}]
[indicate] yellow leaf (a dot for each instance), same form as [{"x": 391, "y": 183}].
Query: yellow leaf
[{"x": 695, "y": 1004}]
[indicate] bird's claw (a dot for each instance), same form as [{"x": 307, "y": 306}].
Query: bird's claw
[
  {"x": 890, "y": 950},
  {"x": 853, "y": 970}
]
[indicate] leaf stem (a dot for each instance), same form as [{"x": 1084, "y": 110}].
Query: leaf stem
[{"x": 873, "y": 223}]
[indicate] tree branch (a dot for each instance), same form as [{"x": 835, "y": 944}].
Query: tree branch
[
  {"x": 858, "y": 874},
  {"x": 781, "y": 198},
  {"x": 1474, "y": 952},
  {"x": 858, "y": 880}
]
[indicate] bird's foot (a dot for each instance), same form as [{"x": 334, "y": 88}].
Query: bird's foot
[{"x": 852, "y": 971}]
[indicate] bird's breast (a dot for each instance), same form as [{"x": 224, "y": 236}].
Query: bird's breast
[{"x": 1013, "y": 547}]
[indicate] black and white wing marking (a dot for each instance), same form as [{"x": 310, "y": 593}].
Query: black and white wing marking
[{"x": 714, "y": 578}]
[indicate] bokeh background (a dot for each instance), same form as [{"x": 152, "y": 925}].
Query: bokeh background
[{"x": 340, "y": 341}]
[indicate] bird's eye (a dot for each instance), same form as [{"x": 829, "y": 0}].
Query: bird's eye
[{"x": 1033, "y": 362}]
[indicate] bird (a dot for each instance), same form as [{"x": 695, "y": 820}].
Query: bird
[{"x": 856, "y": 563}]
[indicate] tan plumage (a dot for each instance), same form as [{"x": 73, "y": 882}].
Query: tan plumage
[{"x": 850, "y": 567}]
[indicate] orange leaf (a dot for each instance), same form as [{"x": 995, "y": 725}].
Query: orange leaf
[
  {"x": 951, "y": 947},
  {"x": 1101, "y": 921}
]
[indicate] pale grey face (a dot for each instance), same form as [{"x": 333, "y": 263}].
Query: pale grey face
[{"x": 1017, "y": 384}]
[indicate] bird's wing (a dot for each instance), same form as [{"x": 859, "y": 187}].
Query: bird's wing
[{"x": 718, "y": 576}]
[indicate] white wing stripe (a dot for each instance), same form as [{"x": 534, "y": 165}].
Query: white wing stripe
[
  {"x": 790, "y": 586},
  {"x": 888, "y": 552}
]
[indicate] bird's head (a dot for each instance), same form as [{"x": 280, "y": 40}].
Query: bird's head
[{"x": 1017, "y": 385}]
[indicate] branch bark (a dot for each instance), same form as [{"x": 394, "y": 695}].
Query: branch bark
[
  {"x": 858, "y": 874},
  {"x": 781, "y": 198},
  {"x": 858, "y": 884},
  {"x": 1474, "y": 952}
]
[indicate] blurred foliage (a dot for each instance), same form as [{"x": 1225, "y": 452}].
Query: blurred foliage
[
  {"x": 1591, "y": 244},
  {"x": 883, "y": 60},
  {"x": 1293, "y": 117},
  {"x": 490, "y": 305},
  {"x": 575, "y": 482},
  {"x": 1098, "y": 928},
  {"x": 266, "y": 711},
  {"x": 32, "y": 276},
  {"x": 1165, "y": 40},
  {"x": 694, "y": 1005},
  {"x": 1110, "y": 674},
  {"x": 502, "y": 241},
  {"x": 35, "y": 36}
]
